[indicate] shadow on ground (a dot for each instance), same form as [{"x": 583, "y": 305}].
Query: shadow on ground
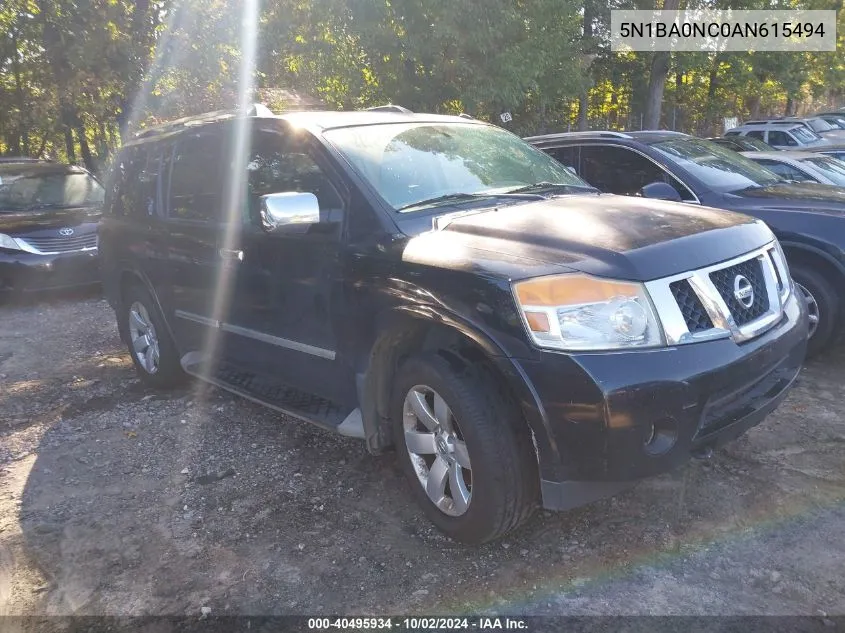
[{"x": 138, "y": 503}]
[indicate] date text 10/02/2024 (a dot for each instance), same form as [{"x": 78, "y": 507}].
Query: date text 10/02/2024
[{"x": 418, "y": 624}]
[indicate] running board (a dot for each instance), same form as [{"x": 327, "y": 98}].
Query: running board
[{"x": 277, "y": 395}]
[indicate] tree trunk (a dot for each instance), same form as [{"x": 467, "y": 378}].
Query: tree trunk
[
  {"x": 790, "y": 106},
  {"x": 657, "y": 79},
  {"x": 584, "y": 96},
  {"x": 85, "y": 150},
  {"x": 69, "y": 147}
]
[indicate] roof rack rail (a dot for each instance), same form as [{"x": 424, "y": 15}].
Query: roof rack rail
[
  {"x": 588, "y": 134},
  {"x": 256, "y": 109},
  {"x": 390, "y": 107}
]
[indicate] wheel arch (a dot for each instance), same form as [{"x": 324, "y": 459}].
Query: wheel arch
[
  {"x": 407, "y": 331},
  {"x": 818, "y": 259}
]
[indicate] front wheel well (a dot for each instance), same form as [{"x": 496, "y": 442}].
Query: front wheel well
[
  {"x": 409, "y": 339},
  {"x": 801, "y": 257}
]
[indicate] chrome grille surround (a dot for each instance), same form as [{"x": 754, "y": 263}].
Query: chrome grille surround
[
  {"x": 59, "y": 244},
  {"x": 778, "y": 289}
]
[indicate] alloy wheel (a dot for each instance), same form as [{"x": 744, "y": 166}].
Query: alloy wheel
[
  {"x": 437, "y": 450},
  {"x": 142, "y": 335}
]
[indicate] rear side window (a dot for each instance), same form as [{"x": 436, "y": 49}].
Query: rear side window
[
  {"x": 195, "y": 180},
  {"x": 757, "y": 134},
  {"x": 778, "y": 137}
]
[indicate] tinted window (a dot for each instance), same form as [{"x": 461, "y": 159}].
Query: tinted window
[
  {"x": 195, "y": 180},
  {"x": 779, "y": 137},
  {"x": 717, "y": 167},
  {"x": 623, "y": 171},
  {"x": 787, "y": 172},
  {"x": 757, "y": 134},
  {"x": 567, "y": 156},
  {"x": 279, "y": 165}
]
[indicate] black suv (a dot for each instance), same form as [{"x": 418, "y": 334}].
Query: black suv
[
  {"x": 48, "y": 225},
  {"x": 807, "y": 218},
  {"x": 437, "y": 284}
]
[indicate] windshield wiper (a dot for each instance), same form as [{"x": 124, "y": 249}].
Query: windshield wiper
[
  {"x": 449, "y": 197},
  {"x": 543, "y": 185}
]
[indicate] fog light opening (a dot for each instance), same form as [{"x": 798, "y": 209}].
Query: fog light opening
[{"x": 660, "y": 436}]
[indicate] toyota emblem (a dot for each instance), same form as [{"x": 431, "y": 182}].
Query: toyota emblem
[
  {"x": 743, "y": 291},
  {"x": 66, "y": 232}
]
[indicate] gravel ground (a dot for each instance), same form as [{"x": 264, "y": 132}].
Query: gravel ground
[{"x": 116, "y": 500}]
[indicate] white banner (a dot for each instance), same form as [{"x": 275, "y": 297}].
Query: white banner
[{"x": 729, "y": 30}]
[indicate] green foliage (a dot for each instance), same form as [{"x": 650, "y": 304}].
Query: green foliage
[{"x": 77, "y": 75}]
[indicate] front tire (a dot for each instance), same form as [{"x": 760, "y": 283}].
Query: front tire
[
  {"x": 150, "y": 346},
  {"x": 464, "y": 448},
  {"x": 823, "y": 304}
]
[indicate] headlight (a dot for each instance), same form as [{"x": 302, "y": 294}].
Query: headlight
[
  {"x": 578, "y": 312},
  {"x": 8, "y": 243}
]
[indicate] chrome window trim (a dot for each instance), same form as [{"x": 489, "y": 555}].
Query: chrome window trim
[
  {"x": 29, "y": 248},
  {"x": 724, "y": 324}
]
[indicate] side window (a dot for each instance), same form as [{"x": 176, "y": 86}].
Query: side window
[
  {"x": 779, "y": 137},
  {"x": 622, "y": 171},
  {"x": 756, "y": 134},
  {"x": 195, "y": 180},
  {"x": 566, "y": 155},
  {"x": 278, "y": 164},
  {"x": 732, "y": 133},
  {"x": 787, "y": 172}
]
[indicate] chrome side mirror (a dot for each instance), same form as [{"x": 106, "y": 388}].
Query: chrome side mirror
[{"x": 289, "y": 212}]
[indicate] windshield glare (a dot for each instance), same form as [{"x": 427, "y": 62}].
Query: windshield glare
[
  {"x": 820, "y": 125},
  {"x": 830, "y": 167},
  {"x": 22, "y": 191},
  {"x": 718, "y": 168},
  {"x": 409, "y": 163}
]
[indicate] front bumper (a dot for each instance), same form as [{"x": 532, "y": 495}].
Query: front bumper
[
  {"x": 617, "y": 417},
  {"x": 23, "y": 272}
]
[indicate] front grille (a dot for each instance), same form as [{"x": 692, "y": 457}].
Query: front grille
[
  {"x": 694, "y": 313},
  {"x": 62, "y": 244},
  {"x": 724, "y": 280}
]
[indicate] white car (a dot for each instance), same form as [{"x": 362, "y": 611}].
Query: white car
[
  {"x": 802, "y": 166},
  {"x": 782, "y": 134}
]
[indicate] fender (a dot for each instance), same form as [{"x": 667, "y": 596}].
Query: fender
[
  {"x": 413, "y": 321},
  {"x": 815, "y": 250},
  {"x": 124, "y": 270}
]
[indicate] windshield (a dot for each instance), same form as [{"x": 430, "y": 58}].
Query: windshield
[
  {"x": 820, "y": 125},
  {"x": 833, "y": 168},
  {"x": 411, "y": 163},
  {"x": 21, "y": 191},
  {"x": 805, "y": 135},
  {"x": 717, "y": 167}
]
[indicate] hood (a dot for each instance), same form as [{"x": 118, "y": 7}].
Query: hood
[
  {"x": 18, "y": 222},
  {"x": 606, "y": 235},
  {"x": 808, "y": 196}
]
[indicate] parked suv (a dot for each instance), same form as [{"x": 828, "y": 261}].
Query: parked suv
[
  {"x": 48, "y": 225},
  {"x": 808, "y": 218},
  {"x": 435, "y": 284},
  {"x": 782, "y": 134}
]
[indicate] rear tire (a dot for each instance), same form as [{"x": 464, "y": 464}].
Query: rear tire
[
  {"x": 488, "y": 468},
  {"x": 146, "y": 335},
  {"x": 824, "y": 305}
]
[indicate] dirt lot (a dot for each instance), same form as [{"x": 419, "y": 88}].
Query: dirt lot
[{"x": 115, "y": 500}]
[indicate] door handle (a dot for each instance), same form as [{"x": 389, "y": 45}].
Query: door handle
[{"x": 231, "y": 255}]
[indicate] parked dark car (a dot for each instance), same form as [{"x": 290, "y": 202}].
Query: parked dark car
[
  {"x": 48, "y": 226},
  {"x": 743, "y": 143},
  {"x": 437, "y": 284},
  {"x": 808, "y": 218}
]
